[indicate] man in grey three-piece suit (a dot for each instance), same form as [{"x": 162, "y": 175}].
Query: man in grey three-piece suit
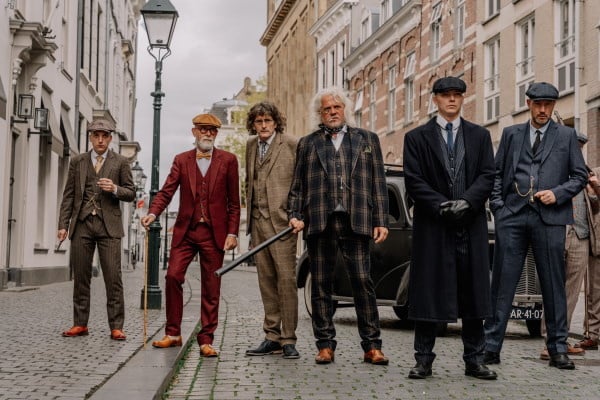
[
  {"x": 539, "y": 168},
  {"x": 90, "y": 212}
]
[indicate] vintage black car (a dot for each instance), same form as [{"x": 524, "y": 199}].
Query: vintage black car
[{"x": 390, "y": 264}]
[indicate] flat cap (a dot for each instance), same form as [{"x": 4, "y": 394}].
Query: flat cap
[
  {"x": 581, "y": 137},
  {"x": 206, "y": 119},
  {"x": 542, "y": 91},
  {"x": 101, "y": 124},
  {"x": 448, "y": 83}
]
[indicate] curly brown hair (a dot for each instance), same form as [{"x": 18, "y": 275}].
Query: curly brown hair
[{"x": 265, "y": 108}]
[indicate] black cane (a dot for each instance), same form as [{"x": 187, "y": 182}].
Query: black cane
[{"x": 244, "y": 257}]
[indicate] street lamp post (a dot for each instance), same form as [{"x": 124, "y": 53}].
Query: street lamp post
[{"x": 159, "y": 18}]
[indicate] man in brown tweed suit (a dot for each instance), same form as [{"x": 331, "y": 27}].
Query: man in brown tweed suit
[
  {"x": 90, "y": 212},
  {"x": 339, "y": 197},
  {"x": 270, "y": 159}
]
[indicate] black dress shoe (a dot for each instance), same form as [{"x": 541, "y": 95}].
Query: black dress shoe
[
  {"x": 266, "y": 347},
  {"x": 491, "y": 357},
  {"x": 480, "y": 371},
  {"x": 561, "y": 361},
  {"x": 420, "y": 371},
  {"x": 289, "y": 351}
]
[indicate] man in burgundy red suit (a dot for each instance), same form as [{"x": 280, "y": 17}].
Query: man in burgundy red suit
[{"x": 207, "y": 223}]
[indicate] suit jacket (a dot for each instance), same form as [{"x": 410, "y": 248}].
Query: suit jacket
[
  {"x": 116, "y": 168},
  {"x": 562, "y": 170},
  {"x": 433, "y": 289},
  {"x": 281, "y": 159},
  {"x": 308, "y": 198},
  {"x": 594, "y": 221},
  {"x": 223, "y": 196}
]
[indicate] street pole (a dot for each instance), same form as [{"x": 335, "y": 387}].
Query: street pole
[{"x": 154, "y": 291}]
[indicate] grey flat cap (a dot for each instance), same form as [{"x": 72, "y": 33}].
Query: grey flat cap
[
  {"x": 448, "y": 83},
  {"x": 542, "y": 91}
]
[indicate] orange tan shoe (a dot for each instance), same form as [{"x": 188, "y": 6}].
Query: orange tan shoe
[
  {"x": 375, "y": 357},
  {"x": 574, "y": 351},
  {"x": 325, "y": 356},
  {"x": 167, "y": 341},
  {"x": 206, "y": 350},
  {"x": 76, "y": 331},
  {"x": 117, "y": 334}
]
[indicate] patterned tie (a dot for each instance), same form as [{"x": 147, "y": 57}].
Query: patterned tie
[
  {"x": 262, "y": 149},
  {"x": 99, "y": 162},
  {"x": 536, "y": 142},
  {"x": 203, "y": 155},
  {"x": 450, "y": 136}
]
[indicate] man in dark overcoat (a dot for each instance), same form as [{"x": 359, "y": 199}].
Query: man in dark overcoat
[{"x": 449, "y": 173}]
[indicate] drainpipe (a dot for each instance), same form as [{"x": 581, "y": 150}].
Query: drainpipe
[
  {"x": 577, "y": 21},
  {"x": 76, "y": 124}
]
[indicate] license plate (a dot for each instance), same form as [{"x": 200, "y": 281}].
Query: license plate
[{"x": 526, "y": 313}]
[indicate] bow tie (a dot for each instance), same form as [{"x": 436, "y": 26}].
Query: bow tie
[
  {"x": 203, "y": 155},
  {"x": 331, "y": 131}
]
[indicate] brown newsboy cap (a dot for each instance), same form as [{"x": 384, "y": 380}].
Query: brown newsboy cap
[
  {"x": 206, "y": 119},
  {"x": 101, "y": 124}
]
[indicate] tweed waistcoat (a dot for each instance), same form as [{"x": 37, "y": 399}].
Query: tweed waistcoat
[
  {"x": 201, "y": 212},
  {"x": 526, "y": 177},
  {"x": 260, "y": 204},
  {"x": 338, "y": 174},
  {"x": 92, "y": 198}
]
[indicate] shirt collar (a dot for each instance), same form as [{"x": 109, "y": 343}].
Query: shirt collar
[
  {"x": 269, "y": 140},
  {"x": 542, "y": 129},
  {"x": 441, "y": 121}
]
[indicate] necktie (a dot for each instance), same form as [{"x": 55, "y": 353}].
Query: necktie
[
  {"x": 99, "y": 161},
  {"x": 450, "y": 136},
  {"x": 262, "y": 150},
  {"x": 203, "y": 155},
  {"x": 536, "y": 142}
]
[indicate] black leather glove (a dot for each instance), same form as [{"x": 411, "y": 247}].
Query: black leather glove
[{"x": 454, "y": 210}]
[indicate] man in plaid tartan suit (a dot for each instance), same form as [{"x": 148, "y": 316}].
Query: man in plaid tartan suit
[{"x": 339, "y": 198}]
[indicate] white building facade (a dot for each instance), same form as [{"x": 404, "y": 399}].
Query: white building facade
[{"x": 77, "y": 60}]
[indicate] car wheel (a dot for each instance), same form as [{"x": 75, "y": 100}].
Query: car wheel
[
  {"x": 308, "y": 296},
  {"x": 534, "y": 326}
]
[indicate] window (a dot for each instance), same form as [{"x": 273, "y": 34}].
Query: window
[
  {"x": 409, "y": 87},
  {"x": 341, "y": 72},
  {"x": 372, "y": 104},
  {"x": 391, "y": 97},
  {"x": 358, "y": 108},
  {"x": 364, "y": 30},
  {"x": 492, "y": 7},
  {"x": 524, "y": 67},
  {"x": 565, "y": 45},
  {"x": 323, "y": 73},
  {"x": 459, "y": 23},
  {"x": 332, "y": 68},
  {"x": 436, "y": 18},
  {"x": 386, "y": 10},
  {"x": 491, "y": 80}
]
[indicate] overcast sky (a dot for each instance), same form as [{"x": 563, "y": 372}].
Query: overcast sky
[{"x": 215, "y": 46}]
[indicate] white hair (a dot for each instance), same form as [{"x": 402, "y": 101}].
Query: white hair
[{"x": 338, "y": 94}]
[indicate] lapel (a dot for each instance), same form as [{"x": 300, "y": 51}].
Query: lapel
[
  {"x": 84, "y": 166},
  {"x": 192, "y": 170},
  {"x": 320, "y": 143},
  {"x": 460, "y": 150},
  {"x": 519, "y": 139},
  {"x": 251, "y": 155},
  {"x": 109, "y": 164},
  {"x": 432, "y": 138},
  {"x": 551, "y": 136},
  {"x": 272, "y": 152},
  {"x": 213, "y": 171},
  {"x": 356, "y": 140}
]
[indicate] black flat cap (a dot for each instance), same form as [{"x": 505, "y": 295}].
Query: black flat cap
[
  {"x": 542, "y": 91},
  {"x": 448, "y": 83}
]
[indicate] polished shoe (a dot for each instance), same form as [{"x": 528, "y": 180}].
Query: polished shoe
[
  {"x": 206, "y": 350},
  {"x": 491, "y": 357},
  {"x": 289, "y": 351},
  {"x": 480, "y": 371},
  {"x": 375, "y": 356},
  {"x": 266, "y": 347},
  {"x": 561, "y": 361},
  {"x": 167, "y": 341},
  {"x": 117, "y": 334},
  {"x": 587, "y": 344},
  {"x": 325, "y": 356},
  {"x": 76, "y": 331},
  {"x": 571, "y": 350},
  {"x": 420, "y": 371},
  {"x": 544, "y": 355}
]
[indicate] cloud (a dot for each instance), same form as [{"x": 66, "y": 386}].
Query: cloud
[{"x": 215, "y": 46}]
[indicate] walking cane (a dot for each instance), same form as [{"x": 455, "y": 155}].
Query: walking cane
[
  {"x": 145, "y": 290},
  {"x": 586, "y": 293}
]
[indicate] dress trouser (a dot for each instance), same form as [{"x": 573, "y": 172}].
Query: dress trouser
[
  {"x": 322, "y": 251},
  {"x": 276, "y": 270},
  {"x": 593, "y": 299},
  {"x": 472, "y": 336},
  {"x": 514, "y": 233},
  {"x": 197, "y": 240},
  {"x": 88, "y": 235}
]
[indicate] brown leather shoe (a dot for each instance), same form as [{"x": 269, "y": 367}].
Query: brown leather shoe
[
  {"x": 76, "y": 331},
  {"x": 587, "y": 344},
  {"x": 544, "y": 355},
  {"x": 206, "y": 350},
  {"x": 574, "y": 351},
  {"x": 117, "y": 334},
  {"x": 325, "y": 356},
  {"x": 167, "y": 341},
  {"x": 376, "y": 357}
]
